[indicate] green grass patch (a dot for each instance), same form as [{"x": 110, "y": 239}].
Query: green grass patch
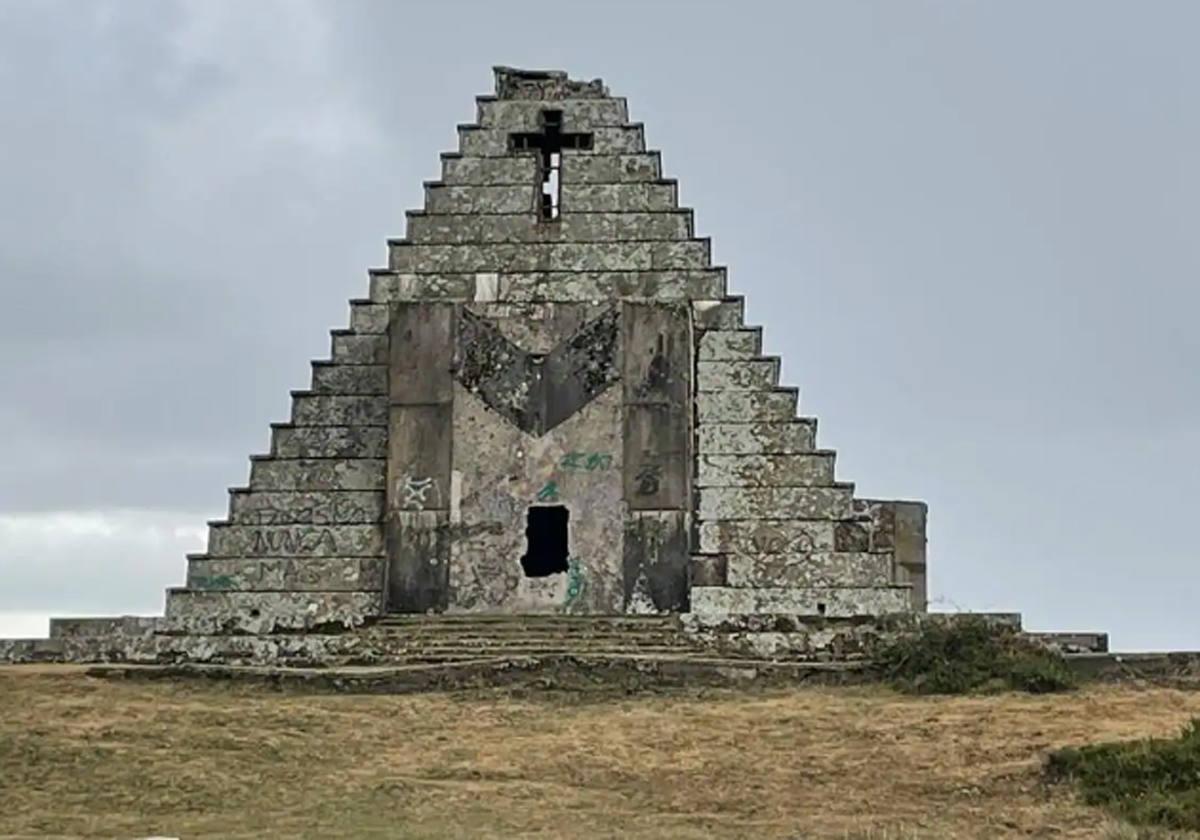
[
  {"x": 1152, "y": 782},
  {"x": 971, "y": 654}
]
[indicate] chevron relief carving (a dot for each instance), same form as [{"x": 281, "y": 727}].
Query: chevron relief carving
[{"x": 536, "y": 391}]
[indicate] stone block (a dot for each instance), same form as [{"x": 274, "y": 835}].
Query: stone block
[
  {"x": 433, "y": 229},
  {"x": 720, "y": 313},
  {"x": 326, "y": 410},
  {"x": 329, "y": 442},
  {"x": 606, "y": 140},
  {"x": 783, "y": 536},
  {"x": 774, "y": 406},
  {"x": 742, "y": 375},
  {"x": 818, "y": 569},
  {"x": 489, "y": 171},
  {"x": 552, "y": 256},
  {"x": 620, "y": 198},
  {"x": 349, "y": 380},
  {"x": 310, "y": 574},
  {"x": 360, "y": 349},
  {"x": 809, "y": 470},
  {"x": 197, "y": 612},
  {"x": 121, "y": 625},
  {"x": 327, "y": 507},
  {"x": 775, "y": 502},
  {"x": 728, "y": 345},
  {"x": 797, "y": 436},
  {"x": 526, "y": 115},
  {"x": 393, "y": 287},
  {"x": 369, "y": 318},
  {"x": 806, "y": 601},
  {"x": 611, "y": 169},
  {"x": 294, "y": 541},
  {"x": 572, "y": 287},
  {"x": 708, "y": 571},
  {"x": 318, "y": 474},
  {"x": 508, "y": 198}
]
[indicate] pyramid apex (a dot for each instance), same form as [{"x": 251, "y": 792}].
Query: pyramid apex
[{"x": 518, "y": 83}]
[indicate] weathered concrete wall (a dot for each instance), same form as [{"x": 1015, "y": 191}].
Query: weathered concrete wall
[{"x": 501, "y": 470}]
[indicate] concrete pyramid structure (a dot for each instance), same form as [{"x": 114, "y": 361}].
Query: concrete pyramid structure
[{"x": 548, "y": 404}]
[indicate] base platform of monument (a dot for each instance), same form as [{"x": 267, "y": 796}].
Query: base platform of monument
[{"x": 420, "y": 640}]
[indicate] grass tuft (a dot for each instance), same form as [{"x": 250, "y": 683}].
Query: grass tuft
[
  {"x": 1151, "y": 782},
  {"x": 971, "y": 654}
]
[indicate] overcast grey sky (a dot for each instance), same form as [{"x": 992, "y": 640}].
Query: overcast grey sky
[{"x": 968, "y": 228}]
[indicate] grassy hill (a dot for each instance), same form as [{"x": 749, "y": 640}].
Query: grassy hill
[{"x": 86, "y": 757}]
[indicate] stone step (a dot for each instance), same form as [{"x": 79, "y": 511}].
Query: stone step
[
  {"x": 443, "y": 229},
  {"x": 554, "y": 286},
  {"x": 514, "y": 637},
  {"x": 449, "y": 653},
  {"x": 546, "y": 619},
  {"x": 648, "y": 255},
  {"x": 802, "y": 601},
  {"x": 814, "y": 469},
  {"x": 746, "y": 374},
  {"x": 778, "y": 405}
]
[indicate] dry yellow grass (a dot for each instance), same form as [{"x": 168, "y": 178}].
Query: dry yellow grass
[{"x": 87, "y": 757}]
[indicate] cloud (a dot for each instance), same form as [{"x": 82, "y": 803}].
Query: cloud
[{"x": 95, "y": 562}]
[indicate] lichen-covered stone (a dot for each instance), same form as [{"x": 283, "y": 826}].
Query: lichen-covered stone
[
  {"x": 577, "y": 114},
  {"x": 489, "y": 171},
  {"x": 607, "y": 285},
  {"x": 818, "y": 569},
  {"x": 809, "y": 470},
  {"x": 797, "y": 436},
  {"x": 395, "y": 287},
  {"x": 126, "y": 625},
  {"x": 617, "y": 198},
  {"x": 360, "y": 349},
  {"x": 606, "y": 140},
  {"x": 324, "y": 410},
  {"x": 459, "y": 229},
  {"x": 349, "y": 380},
  {"x": 742, "y": 375},
  {"x": 542, "y": 256},
  {"x": 775, "y": 406},
  {"x": 333, "y": 507},
  {"x": 369, "y": 318},
  {"x": 318, "y": 474},
  {"x": 315, "y": 574},
  {"x": 504, "y": 198},
  {"x": 825, "y": 601},
  {"x": 780, "y": 536},
  {"x": 728, "y": 345},
  {"x": 775, "y": 502},
  {"x": 199, "y": 612},
  {"x": 329, "y": 442},
  {"x": 294, "y": 541},
  {"x": 718, "y": 314},
  {"x": 611, "y": 169}
]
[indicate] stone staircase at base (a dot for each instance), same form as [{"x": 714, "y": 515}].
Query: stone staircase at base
[
  {"x": 421, "y": 639},
  {"x": 433, "y": 640}
]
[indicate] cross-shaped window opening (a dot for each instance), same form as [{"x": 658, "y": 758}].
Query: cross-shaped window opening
[{"x": 549, "y": 143}]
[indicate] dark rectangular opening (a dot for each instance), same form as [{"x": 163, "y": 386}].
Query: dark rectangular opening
[{"x": 546, "y": 548}]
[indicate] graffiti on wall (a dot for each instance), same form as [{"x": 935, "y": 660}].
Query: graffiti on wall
[
  {"x": 413, "y": 493},
  {"x": 575, "y": 581},
  {"x": 586, "y": 461}
]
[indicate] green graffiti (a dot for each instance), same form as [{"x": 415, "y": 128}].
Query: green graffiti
[
  {"x": 213, "y": 582},
  {"x": 548, "y": 493},
  {"x": 575, "y": 581},
  {"x": 589, "y": 461}
]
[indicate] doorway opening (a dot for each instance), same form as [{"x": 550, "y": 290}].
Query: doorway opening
[{"x": 546, "y": 549}]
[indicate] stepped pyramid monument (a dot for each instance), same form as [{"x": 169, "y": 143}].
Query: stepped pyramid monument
[{"x": 548, "y": 405}]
